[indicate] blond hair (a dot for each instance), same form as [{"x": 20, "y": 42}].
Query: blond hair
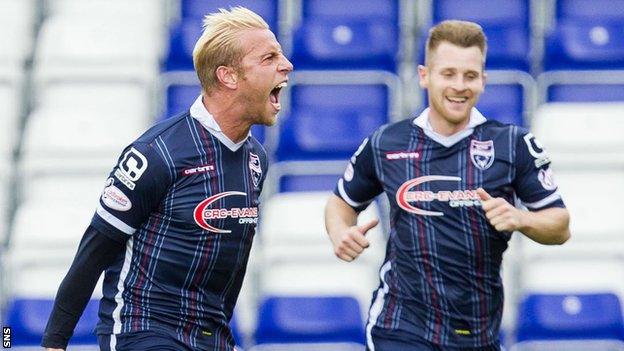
[
  {"x": 461, "y": 33},
  {"x": 219, "y": 44}
]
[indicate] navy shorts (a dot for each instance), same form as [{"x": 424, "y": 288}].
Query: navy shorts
[
  {"x": 396, "y": 340},
  {"x": 141, "y": 341}
]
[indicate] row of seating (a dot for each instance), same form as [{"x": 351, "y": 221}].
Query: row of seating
[{"x": 330, "y": 34}]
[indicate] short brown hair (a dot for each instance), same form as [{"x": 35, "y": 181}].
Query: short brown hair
[
  {"x": 461, "y": 33},
  {"x": 219, "y": 44}
]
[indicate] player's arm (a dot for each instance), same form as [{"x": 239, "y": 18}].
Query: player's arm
[
  {"x": 355, "y": 190},
  {"x": 96, "y": 252},
  {"x": 340, "y": 222},
  {"x": 549, "y": 226}
]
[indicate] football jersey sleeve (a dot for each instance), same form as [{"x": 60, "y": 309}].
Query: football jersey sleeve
[
  {"x": 359, "y": 184},
  {"x": 133, "y": 190},
  {"x": 534, "y": 182}
]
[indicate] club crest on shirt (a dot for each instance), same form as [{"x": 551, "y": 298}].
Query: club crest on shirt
[
  {"x": 482, "y": 153},
  {"x": 255, "y": 168}
]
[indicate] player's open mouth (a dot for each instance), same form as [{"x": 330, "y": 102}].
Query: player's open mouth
[
  {"x": 457, "y": 100},
  {"x": 274, "y": 95}
]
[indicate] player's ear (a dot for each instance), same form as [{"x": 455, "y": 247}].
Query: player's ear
[
  {"x": 227, "y": 76},
  {"x": 423, "y": 73}
]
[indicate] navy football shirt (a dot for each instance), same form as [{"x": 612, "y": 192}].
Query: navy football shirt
[
  {"x": 441, "y": 275},
  {"x": 187, "y": 198}
]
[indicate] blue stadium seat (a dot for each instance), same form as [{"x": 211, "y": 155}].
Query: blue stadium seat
[
  {"x": 182, "y": 38},
  {"x": 330, "y": 121},
  {"x": 587, "y": 35},
  {"x": 585, "y": 45},
  {"x": 503, "y": 102},
  {"x": 567, "y": 317},
  {"x": 267, "y": 9},
  {"x": 180, "y": 97},
  {"x": 586, "y": 93},
  {"x": 309, "y": 182},
  {"x": 334, "y": 34},
  {"x": 505, "y": 23},
  {"x": 28, "y": 319},
  {"x": 289, "y": 319},
  {"x": 607, "y": 10}
]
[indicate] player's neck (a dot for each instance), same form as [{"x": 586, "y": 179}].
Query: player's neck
[
  {"x": 445, "y": 127},
  {"x": 227, "y": 115}
]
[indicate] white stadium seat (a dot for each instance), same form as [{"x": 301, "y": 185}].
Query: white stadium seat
[
  {"x": 594, "y": 199},
  {"x": 149, "y": 12},
  {"x": 581, "y": 134},
  {"x": 17, "y": 19},
  {"x": 66, "y": 141},
  {"x": 76, "y": 189},
  {"x": 74, "y": 49}
]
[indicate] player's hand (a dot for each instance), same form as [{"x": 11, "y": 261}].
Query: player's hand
[
  {"x": 51, "y": 349},
  {"x": 350, "y": 243},
  {"x": 500, "y": 213}
]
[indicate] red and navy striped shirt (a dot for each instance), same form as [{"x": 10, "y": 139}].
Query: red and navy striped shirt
[
  {"x": 187, "y": 198},
  {"x": 441, "y": 275}
]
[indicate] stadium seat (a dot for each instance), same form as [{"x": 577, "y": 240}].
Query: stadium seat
[
  {"x": 28, "y": 318},
  {"x": 17, "y": 35},
  {"x": 505, "y": 23},
  {"x": 335, "y": 35},
  {"x": 70, "y": 49},
  {"x": 10, "y": 110},
  {"x": 503, "y": 102},
  {"x": 571, "y": 92},
  {"x": 321, "y": 126},
  {"x": 586, "y": 36},
  {"x": 267, "y": 9},
  {"x": 581, "y": 135},
  {"x": 570, "y": 322},
  {"x": 78, "y": 189},
  {"x": 182, "y": 39},
  {"x": 94, "y": 150},
  {"x": 309, "y": 319},
  {"x": 589, "y": 223},
  {"x": 585, "y": 45}
]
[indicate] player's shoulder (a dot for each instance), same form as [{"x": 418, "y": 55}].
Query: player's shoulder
[
  {"x": 165, "y": 128},
  {"x": 257, "y": 146},
  {"x": 495, "y": 129},
  {"x": 394, "y": 130}
]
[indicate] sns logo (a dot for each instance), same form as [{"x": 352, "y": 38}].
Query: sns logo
[
  {"x": 455, "y": 198},
  {"x": 202, "y": 213}
]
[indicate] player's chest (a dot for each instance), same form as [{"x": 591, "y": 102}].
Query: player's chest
[
  {"x": 430, "y": 172},
  {"x": 219, "y": 196}
]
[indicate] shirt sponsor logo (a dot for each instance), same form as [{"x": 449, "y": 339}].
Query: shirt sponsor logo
[
  {"x": 455, "y": 198},
  {"x": 255, "y": 168},
  {"x": 115, "y": 199},
  {"x": 203, "y": 214},
  {"x": 482, "y": 153},
  {"x": 197, "y": 170},
  {"x": 402, "y": 155},
  {"x": 131, "y": 167}
]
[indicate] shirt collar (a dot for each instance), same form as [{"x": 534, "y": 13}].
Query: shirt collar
[
  {"x": 422, "y": 121},
  {"x": 199, "y": 112}
]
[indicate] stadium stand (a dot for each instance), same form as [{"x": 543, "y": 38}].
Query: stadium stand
[
  {"x": 570, "y": 322},
  {"x": 506, "y": 25}
]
